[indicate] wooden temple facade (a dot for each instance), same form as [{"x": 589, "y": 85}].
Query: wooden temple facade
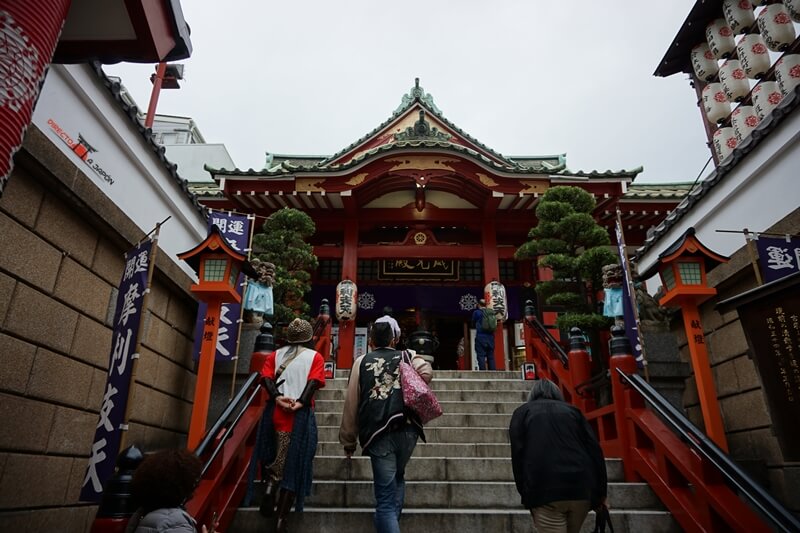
[{"x": 420, "y": 215}]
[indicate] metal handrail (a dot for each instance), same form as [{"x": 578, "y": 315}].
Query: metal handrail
[
  {"x": 744, "y": 484},
  {"x": 222, "y": 421},
  {"x": 551, "y": 342}
]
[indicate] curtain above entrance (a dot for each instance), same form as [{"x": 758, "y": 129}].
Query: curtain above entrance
[{"x": 445, "y": 301}]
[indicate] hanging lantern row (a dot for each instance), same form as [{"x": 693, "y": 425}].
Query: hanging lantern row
[{"x": 774, "y": 23}]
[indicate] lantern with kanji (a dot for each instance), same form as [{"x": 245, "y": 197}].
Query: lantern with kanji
[
  {"x": 720, "y": 38},
  {"x": 744, "y": 120},
  {"x": 753, "y": 55},
  {"x": 793, "y": 8},
  {"x": 734, "y": 80},
  {"x": 346, "y": 300},
  {"x": 724, "y": 141},
  {"x": 495, "y": 295},
  {"x": 218, "y": 267},
  {"x": 787, "y": 72},
  {"x": 738, "y": 14},
  {"x": 766, "y": 96},
  {"x": 683, "y": 268},
  {"x": 715, "y": 103},
  {"x": 703, "y": 62},
  {"x": 775, "y": 25}
]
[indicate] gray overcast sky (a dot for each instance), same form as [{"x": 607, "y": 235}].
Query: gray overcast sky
[{"x": 523, "y": 77}]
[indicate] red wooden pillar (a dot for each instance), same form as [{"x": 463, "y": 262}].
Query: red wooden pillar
[
  {"x": 347, "y": 328},
  {"x": 205, "y": 373},
  {"x": 491, "y": 272}
]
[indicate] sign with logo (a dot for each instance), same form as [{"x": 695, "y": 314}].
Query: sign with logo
[
  {"x": 419, "y": 269},
  {"x": 83, "y": 150},
  {"x": 127, "y": 320},
  {"x": 778, "y": 257},
  {"x": 528, "y": 371},
  {"x": 236, "y": 230}
]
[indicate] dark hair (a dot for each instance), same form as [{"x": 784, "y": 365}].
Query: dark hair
[
  {"x": 544, "y": 389},
  {"x": 165, "y": 479},
  {"x": 387, "y": 310},
  {"x": 382, "y": 334}
]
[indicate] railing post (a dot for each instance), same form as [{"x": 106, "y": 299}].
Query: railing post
[
  {"x": 265, "y": 344},
  {"x": 117, "y": 505},
  {"x": 580, "y": 367},
  {"x": 621, "y": 358},
  {"x": 530, "y": 315}
]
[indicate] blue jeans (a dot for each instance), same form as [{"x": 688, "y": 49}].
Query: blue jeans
[
  {"x": 389, "y": 455},
  {"x": 484, "y": 350}
]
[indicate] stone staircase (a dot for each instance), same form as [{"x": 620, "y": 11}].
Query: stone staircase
[{"x": 460, "y": 481}]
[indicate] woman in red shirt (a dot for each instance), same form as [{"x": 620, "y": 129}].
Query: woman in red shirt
[{"x": 292, "y": 375}]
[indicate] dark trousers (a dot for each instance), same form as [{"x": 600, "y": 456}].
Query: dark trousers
[{"x": 484, "y": 349}]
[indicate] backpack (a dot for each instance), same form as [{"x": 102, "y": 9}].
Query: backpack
[{"x": 488, "y": 320}]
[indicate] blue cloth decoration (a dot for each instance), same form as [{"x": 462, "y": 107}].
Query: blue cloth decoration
[
  {"x": 298, "y": 471},
  {"x": 612, "y": 303},
  {"x": 258, "y": 297}
]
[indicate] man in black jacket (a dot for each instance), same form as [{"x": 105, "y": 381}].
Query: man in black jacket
[{"x": 558, "y": 464}]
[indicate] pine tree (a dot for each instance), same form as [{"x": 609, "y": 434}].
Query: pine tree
[
  {"x": 569, "y": 241},
  {"x": 282, "y": 242}
]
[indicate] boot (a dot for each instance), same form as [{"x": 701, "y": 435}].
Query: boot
[
  {"x": 285, "y": 502},
  {"x": 267, "y": 508}
]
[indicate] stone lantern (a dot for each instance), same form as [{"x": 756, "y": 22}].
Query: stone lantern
[
  {"x": 218, "y": 267},
  {"x": 682, "y": 268}
]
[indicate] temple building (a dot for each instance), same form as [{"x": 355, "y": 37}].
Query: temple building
[{"x": 421, "y": 216}]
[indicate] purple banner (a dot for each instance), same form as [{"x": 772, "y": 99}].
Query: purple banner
[
  {"x": 236, "y": 230},
  {"x": 127, "y": 319},
  {"x": 631, "y": 328},
  {"x": 445, "y": 301},
  {"x": 778, "y": 257}
]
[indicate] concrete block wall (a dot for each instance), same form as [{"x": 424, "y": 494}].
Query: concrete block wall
[
  {"x": 745, "y": 412},
  {"x": 61, "y": 258}
]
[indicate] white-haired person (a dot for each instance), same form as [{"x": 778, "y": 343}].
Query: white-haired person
[{"x": 558, "y": 464}]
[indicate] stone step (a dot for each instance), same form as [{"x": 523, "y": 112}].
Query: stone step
[
  {"x": 338, "y": 520},
  {"x": 462, "y": 495},
  {"x": 441, "y": 384},
  {"x": 450, "y": 407},
  {"x": 434, "y": 449},
  {"x": 452, "y": 435},
  {"x": 468, "y": 395},
  {"x": 464, "y": 420},
  {"x": 421, "y": 468}
]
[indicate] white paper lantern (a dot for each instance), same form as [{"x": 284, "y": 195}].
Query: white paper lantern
[
  {"x": 766, "y": 95},
  {"x": 776, "y": 27},
  {"x": 720, "y": 38},
  {"x": 346, "y": 300},
  {"x": 753, "y": 55},
  {"x": 734, "y": 80},
  {"x": 495, "y": 295},
  {"x": 744, "y": 120},
  {"x": 715, "y": 103},
  {"x": 787, "y": 72},
  {"x": 793, "y": 7},
  {"x": 703, "y": 62},
  {"x": 724, "y": 142},
  {"x": 738, "y": 14}
]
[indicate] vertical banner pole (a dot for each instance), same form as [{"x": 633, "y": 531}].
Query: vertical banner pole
[
  {"x": 753, "y": 256},
  {"x": 252, "y": 219},
  {"x": 632, "y": 293},
  {"x": 135, "y": 361}
]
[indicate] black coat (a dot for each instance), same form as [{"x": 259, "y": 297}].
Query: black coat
[{"x": 555, "y": 455}]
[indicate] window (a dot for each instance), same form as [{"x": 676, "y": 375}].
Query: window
[
  {"x": 330, "y": 269},
  {"x": 367, "y": 270},
  {"x": 471, "y": 271},
  {"x": 690, "y": 273},
  {"x": 508, "y": 270},
  {"x": 669, "y": 278},
  {"x": 215, "y": 269}
]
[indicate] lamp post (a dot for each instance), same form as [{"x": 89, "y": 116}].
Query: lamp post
[
  {"x": 217, "y": 266},
  {"x": 683, "y": 273}
]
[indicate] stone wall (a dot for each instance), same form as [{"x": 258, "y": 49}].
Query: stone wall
[
  {"x": 746, "y": 416},
  {"x": 61, "y": 258}
]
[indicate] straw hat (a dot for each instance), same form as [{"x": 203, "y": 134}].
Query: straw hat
[{"x": 299, "y": 331}]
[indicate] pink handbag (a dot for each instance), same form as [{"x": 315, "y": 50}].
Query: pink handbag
[{"x": 417, "y": 395}]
